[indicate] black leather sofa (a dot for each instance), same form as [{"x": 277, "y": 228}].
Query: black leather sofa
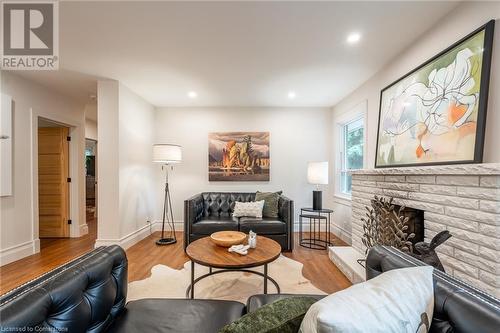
[
  {"x": 208, "y": 212},
  {"x": 89, "y": 295}
]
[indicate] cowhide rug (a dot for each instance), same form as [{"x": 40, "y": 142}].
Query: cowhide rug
[{"x": 166, "y": 282}]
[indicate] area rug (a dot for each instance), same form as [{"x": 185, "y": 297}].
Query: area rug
[{"x": 166, "y": 282}]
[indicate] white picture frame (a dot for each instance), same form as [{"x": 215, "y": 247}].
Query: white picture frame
[{"x": 6, "y": 134}]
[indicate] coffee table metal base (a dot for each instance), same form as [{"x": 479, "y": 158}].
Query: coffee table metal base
[{"x": 265, "y": 275}]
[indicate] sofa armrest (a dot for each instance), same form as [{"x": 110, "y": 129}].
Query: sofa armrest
[
  {"x": 193, "y": 210},
  {"x": 84, "y": 295},
  {"x": 286, "y": 214}
]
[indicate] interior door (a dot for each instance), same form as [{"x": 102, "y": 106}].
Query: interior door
[{"x": 53, "y": 186}]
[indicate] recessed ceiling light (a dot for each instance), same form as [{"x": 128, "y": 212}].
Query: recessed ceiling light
[
  {"x": 291, "y": 94},
  {"x": 353, "y": 38},
  {"x": 192, "y": 94}
]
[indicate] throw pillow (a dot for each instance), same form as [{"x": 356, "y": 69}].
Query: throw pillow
[
  {"x": 282, "y": 316},
  {"x": 248, "y": 209},
  {"x": 271, "y": 202},
  {"x": 400, "y": 300}
]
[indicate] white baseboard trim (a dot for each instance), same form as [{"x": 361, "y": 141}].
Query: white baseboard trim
[
  {"x": 341, "y": 233},
  {"x": 84, "y": 229},
  {"x": 136, "y": 236},
  {"x": 36, "y": 245},
  {"x": 130, "y": 239},
  {"x": 19, "y": 251},
  {"x": 179, "y": 226},
  {"x": 305, "y": 227}
]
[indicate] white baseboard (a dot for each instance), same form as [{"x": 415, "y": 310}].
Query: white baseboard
[
  {"x": 36, "y": 245},
  {"x": 136, "y": 236},
  {"x": 19, "y": 251},
  {"x": 341, "y": 233},
  {"x": 84, "y": 229},
  {"x": 305, "y": 227}
]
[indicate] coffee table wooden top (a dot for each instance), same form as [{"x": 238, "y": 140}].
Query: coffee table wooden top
[{"x": 204, "y": 252}]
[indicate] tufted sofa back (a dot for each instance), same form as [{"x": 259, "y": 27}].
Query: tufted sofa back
[
  {"x": 221, "y": 204},
  {"x": 84, "y": 295},
  {"x": 458, "y": 307}
]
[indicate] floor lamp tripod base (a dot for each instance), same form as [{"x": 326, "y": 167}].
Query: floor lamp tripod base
[
  {"x": 166, "y": 241},
  {"x": 168, "y": 218}
]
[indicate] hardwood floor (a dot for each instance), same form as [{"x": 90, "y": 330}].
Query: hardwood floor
[
  {"x": 144, "y": 255},
  {"x": 53, "y": 252}
]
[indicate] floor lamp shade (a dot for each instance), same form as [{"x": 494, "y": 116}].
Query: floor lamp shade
[
  {"x": 317, "y": 174},
  {"x": 167, "y": 153}
]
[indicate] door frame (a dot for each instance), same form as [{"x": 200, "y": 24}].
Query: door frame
[
  {"x": 96, "y": 180},
  {"x": 76, "y": 173}
]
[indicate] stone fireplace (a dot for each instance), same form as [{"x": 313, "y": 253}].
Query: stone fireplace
[{"x": 463, "y": 199}]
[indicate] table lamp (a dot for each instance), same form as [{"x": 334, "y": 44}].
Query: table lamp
[{"x": 317, "y": 174}]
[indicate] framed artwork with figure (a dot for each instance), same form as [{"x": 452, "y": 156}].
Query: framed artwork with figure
[
  {"x": 436, "y": 114},
  {"x": 238, "y": 156}
]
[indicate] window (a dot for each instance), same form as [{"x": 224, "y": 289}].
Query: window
[{"x": 351, "y": 149}]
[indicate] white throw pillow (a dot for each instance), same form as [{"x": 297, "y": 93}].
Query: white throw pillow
[
  {"x": 399, "y": 301},
  {"x": 248, "y": 209}
]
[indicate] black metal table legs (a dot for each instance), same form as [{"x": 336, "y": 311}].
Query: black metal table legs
[
  {"x": 265, "y": 275},
  {"x": 265, "y": 279},
  {"x": 315, "y": 217},
  {"x": 192, "y": 281}
]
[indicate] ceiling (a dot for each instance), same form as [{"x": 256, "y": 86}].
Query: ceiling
[{"x": 233, "y": 53}]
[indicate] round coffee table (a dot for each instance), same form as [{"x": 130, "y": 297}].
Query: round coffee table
[{"x": 204, "y": 252}]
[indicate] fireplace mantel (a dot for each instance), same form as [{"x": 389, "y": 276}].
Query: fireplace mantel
[{"x": 457, "y": 169}]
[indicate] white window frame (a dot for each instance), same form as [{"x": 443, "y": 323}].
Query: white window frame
[{"x": 354, "y": 114}]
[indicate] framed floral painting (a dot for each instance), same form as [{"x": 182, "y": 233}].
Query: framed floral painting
[{"x": 436, "y": 114}]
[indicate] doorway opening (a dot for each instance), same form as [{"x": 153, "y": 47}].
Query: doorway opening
[
  {"x": 91, "y": 186},
  {"x": 53, "y": 180}
]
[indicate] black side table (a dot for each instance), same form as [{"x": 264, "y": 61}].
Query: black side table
[{"x": 316, "y": 218}]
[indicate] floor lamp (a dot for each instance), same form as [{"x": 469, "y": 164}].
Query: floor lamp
[{"x": 167, "y": 154}]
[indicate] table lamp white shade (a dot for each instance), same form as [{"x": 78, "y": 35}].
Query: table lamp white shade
[
  {"x": 317, "y": 173},
  {"x": 167, "y": 153}
]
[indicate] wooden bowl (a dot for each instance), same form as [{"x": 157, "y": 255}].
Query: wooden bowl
[{"x": 228, "y": 238}]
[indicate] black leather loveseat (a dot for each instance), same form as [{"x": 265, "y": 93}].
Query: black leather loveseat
[
  {"x": 89, "y": 295},
  {"x": 208, "y": 212}
]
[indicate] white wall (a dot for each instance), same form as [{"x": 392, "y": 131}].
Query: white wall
[
  {"x": 90, "y": 122},
  {"x": 137, "y": 172},
  {"x": 297, "y": 135},
  {"x": 126, "y": 191},
  {"x": 90, "y": 129},
  {"x": 108, "y": 217},
  {"x": 459, "y": 23},
  {"x": 19, "y": 213}
]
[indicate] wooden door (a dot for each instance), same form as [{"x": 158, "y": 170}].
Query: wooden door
[{"x": 53, "y": 186}]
